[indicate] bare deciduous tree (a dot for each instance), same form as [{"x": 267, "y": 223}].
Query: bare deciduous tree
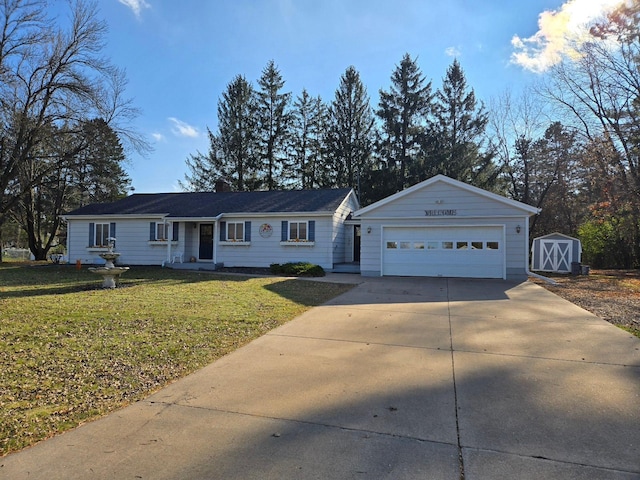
[{"x": 52, "y": 76}]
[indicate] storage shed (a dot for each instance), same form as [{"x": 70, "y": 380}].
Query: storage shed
[{"x": 555, "y": 253}]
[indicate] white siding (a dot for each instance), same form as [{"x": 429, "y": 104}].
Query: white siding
[
  {"x": 262, "y": 252},
  {"x": 132, "y": 242},
  {"x": 467, "y": 203}
]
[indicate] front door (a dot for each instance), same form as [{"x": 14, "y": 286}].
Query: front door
[
  {"x": 357, "y": 232},
  {"x": 206, "y": 241}
]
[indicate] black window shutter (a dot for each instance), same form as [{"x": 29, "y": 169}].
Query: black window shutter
[
  {"x": 247, "y": 231},
  {"x": 285, "y": 234},
  {"x": 92, "y": 234},
  {"x": 312, "y": 230},
  {"x": 152, "y": 231},
  {"x": 223, "y": 231},
  {"x": 176, "y": 230},
  {"x": 112, "y": 229}
]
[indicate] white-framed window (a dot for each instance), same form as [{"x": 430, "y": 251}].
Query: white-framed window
[
  {"x": 162, "y": 231},
  {"x": 101, "y": 235},
  {"x": 235, "y": 232},
  {"x": 298, "y": 232}
]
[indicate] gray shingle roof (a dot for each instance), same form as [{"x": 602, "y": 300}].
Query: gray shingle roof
[{"x": 210, "y": 204}]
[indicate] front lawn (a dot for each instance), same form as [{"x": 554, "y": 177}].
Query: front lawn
[{"x": 70, "y": 351}]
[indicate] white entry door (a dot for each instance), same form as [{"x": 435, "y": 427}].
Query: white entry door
[
  {"x": 469, "y": 251},
  {"x": 555, "y": 255}
]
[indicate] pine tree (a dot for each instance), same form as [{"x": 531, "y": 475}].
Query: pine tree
[
  {"x": 350, "y": 133},
  {"x": 403, "y": 111},
  {"x": 273, "y": 127},
  {"x": 309, "y": 118},
  {"x": 206, "y": 169},
  {"x": 236, "y": 145},
  {"x": 455, "y": 147}
]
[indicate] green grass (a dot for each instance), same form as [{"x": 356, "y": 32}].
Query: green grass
[{"x": 70, "y": 351}]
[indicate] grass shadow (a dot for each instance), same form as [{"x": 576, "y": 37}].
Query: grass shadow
[{"x": 298, "y": 291}]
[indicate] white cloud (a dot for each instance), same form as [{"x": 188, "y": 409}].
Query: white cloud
[
  {"x": 136, "y": 6},
  {"x": 558, "y": 32},
  {"x": 453, "y": 52},
  {"x": 183, "y": 129},
  {"x": 158, "y": 137}
]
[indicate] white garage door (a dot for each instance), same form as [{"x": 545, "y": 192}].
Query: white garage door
[{"x": 474, "y": 252}]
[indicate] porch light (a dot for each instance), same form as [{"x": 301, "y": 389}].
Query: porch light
[
  {"x": 518, "y": 228},
  {"x": 368, "y": 229}
]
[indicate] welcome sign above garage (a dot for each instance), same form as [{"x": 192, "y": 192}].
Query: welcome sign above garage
[{"x": 441, "y": 213}]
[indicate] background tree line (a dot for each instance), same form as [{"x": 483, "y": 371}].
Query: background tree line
[
  {"x": 569, "y": 145},
  {"x": 268, "y": 140}
]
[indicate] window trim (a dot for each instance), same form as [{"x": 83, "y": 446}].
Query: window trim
[
  {"x": 101, "y": 226},
  {"x": 298, "y": 223},
  {"x": 310, "y": 229},
  {"x": 235, "y": 225}
]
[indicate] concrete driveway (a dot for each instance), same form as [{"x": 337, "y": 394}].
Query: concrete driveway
[{"x": 400, "y": 378}]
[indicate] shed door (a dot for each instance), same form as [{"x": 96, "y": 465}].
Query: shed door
[
  {"x": 475, "y": 252},
  {"x": 555, "y": 255}
]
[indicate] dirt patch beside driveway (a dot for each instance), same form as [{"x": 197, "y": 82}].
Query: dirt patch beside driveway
[{"x": 613, "y": 295}]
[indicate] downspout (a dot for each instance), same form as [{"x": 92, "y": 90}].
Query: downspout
[
  {"x": 169, "y": 231},
  {"x": 215, "y": 238},
  {"x": 527, "y": 250}
]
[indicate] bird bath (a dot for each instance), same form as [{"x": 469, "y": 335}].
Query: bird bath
[{"x": 110, "y": 273}]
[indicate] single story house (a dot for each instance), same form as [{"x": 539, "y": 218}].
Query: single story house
[
  {"x": 248, "y": 229},
  {"x": 439, "y": 227}
]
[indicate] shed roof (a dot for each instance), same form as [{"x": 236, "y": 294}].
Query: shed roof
[
  {"x": 555, "y": 235},
  {"x": 212, "y": 204}
]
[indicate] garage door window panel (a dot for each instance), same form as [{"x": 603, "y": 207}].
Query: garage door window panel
[{"x": 493, "y": 246}]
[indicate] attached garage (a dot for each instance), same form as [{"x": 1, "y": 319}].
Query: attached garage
[
  {"x": 451, "y": 251},
  {"x": 445, "y": 228}
]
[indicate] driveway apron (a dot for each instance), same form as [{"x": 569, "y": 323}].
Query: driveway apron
[{"x": 399, "y": 378}]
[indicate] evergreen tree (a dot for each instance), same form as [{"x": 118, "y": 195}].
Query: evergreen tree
[
  {"x": 234, "y": 150},
  {"x": 309, "y": 118},
  {"x": 350, "y": 132},
  {"x": 206, "y": 169},
  {"x": 273, "y": 127},
  {"x": 403, "y": 111},
  {"x": 455, "y": 146}
]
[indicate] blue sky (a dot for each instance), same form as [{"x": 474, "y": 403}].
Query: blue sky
[{"x": 180, "y": 55}]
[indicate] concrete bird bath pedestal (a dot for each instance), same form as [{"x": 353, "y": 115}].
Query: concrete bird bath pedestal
[{"x": 110, "y": 273}]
